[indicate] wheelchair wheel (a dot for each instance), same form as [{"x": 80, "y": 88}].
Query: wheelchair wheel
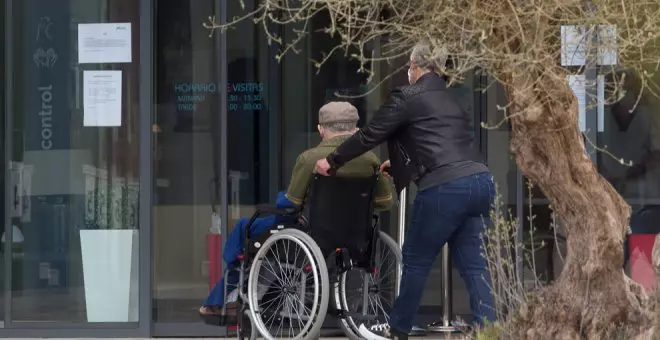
[
  {"x": 288, "y": 287},
  {"x": 378, "y": 290}
]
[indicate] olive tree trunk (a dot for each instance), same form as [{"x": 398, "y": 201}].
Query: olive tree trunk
[{"x": 592, "y": 296}]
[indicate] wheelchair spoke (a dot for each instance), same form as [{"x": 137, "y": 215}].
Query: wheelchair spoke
[
  {"x": 299, "y": 317},
  {"x": 391, "y": 264},
  {"x": 378, "y": 309},
  {"x": 287, "y": 268},
  {"x": 279, "y": 263},
  {"x": 272, "y": 315},
  {"x": 304, "y": 306},
  {"x": 279, "y": 327},
  {"x": 272, "y": 302},
  {"x": 291, "y": 333},
  {"x": 272, "y": 272}
]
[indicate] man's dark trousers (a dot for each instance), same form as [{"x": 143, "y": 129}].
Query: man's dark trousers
[{"x": 456, "y": 212}]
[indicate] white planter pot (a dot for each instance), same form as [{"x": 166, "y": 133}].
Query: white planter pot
[{"x": 110, "y": 271}]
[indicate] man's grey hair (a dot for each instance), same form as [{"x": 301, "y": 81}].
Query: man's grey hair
[{"x": 426, "y": 58}]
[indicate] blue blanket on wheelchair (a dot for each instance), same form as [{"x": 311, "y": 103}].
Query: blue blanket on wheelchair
[{"x": 234, "y": 244}]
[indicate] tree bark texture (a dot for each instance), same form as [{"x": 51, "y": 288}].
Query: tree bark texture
[{"x": 592, "y": 296}]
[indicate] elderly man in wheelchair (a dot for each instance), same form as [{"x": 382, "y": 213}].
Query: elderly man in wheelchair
[{"x": 323, "y": 253}]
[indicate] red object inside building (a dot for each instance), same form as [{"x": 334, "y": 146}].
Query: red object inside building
[
  {"x": 214, "y": 256},
  {"x": 640, "y": 247}
]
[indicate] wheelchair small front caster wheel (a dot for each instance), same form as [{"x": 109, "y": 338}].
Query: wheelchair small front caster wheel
[{"x": 246, "y": 329}]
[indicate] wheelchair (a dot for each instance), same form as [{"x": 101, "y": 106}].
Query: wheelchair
[{"x": 333, "y": 260}]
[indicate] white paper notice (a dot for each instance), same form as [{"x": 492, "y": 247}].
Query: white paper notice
[
  {"x": 607, "y": 47},
  {"x": 104, "y": 43},
  {"x": 574, "y": 43},
  {"x": 577, "y": 83},
  {"x": 102, "y": 98}
]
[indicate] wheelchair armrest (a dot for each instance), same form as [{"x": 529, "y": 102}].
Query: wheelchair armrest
[{"x": 264, "y": 209}]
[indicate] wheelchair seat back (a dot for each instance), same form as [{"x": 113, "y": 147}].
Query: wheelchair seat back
[{"x": 341, "y": 213}]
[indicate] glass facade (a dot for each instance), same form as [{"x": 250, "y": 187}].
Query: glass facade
[
  {"x": 73, "y": 184},
  {"x": 631, "y": 131},
  {"x": 108, "y": 229}
]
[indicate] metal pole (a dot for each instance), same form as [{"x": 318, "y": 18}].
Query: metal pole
[
  {"x": 446, "y": 287},
  {"x": 444, "y": 326},
  {"x": 403, "y": 203}
]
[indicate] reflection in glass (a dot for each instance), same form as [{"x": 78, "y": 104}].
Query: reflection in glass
[
  {"x": 273, "y": 107},
  {"x": 253, "y": 109},
  {"x": 632, "y": 134},
  {"x": 186, "y": 159},
  {"x": 504, "y": 169},
  {"x": 78, "y": 185},
  {"x": 543, "y": 240}
]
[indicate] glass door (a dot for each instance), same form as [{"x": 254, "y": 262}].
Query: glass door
[{"x": 186, "y": 165}]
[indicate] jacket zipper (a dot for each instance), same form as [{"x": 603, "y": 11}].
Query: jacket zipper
[{"x": 404, "y": 153}]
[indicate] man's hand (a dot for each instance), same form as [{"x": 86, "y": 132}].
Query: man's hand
[
  {"x": 322, "y": 167},
  {"x": 385, "y": 168}
]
